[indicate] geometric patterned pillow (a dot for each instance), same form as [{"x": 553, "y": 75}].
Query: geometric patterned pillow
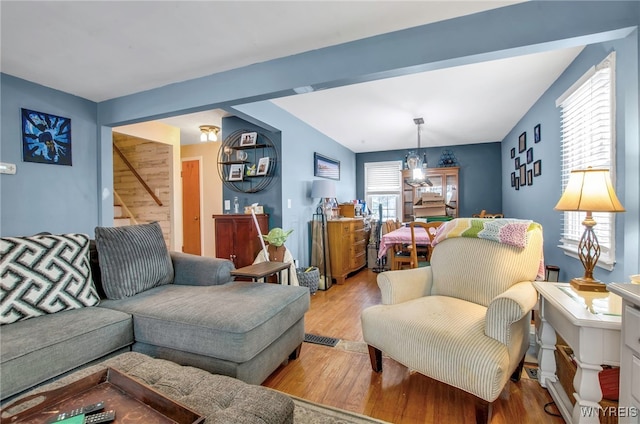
[{"x": 44, "y": 274}]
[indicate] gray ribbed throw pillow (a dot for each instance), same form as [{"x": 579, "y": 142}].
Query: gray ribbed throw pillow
[{"x": 132, "y": 259}]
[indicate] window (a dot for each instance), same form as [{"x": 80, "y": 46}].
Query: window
[
  {"x": 588, "y": 139},
  {"x": 383, "y": 186}
]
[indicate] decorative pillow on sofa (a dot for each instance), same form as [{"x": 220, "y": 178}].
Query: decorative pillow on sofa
[
  {"x": 133, "y": 258},
  {"x": 44, "y": 274}
]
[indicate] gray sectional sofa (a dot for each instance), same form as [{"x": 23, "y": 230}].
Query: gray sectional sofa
[{"x": 199, "y": 317}]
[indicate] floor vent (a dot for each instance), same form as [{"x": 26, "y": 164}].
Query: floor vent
[
  {"x": 321, "y": 340},
  {"x": 532, "y": 372}
]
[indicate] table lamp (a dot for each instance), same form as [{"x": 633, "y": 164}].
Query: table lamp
[
  {"x": 325, "y": 190},
  {"x": 589, "y": 190}
]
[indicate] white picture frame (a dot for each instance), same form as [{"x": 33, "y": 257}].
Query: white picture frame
[
  {"x": 248, "y": 139},
  {"x": 236, "y": 172},
  {"x": 263, "y": 166}
]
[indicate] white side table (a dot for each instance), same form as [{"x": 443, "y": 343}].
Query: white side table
[
  {"x": 590, "y": 324},
  {"x": 630, "y": 352}
]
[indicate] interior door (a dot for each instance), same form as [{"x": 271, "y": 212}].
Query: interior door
[{"x": 191, "y": 207}]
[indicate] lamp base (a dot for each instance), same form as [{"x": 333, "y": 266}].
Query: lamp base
[{"x": 588, "y": 284}]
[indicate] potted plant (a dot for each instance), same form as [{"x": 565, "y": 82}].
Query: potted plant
[{"x": 276, "y": 239}]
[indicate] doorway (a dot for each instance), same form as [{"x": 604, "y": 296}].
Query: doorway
[{"x": 191, "y": 206}]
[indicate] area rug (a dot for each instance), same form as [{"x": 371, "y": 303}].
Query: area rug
[{"x": 306, "y": 412}]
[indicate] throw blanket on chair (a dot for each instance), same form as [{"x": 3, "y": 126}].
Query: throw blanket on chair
[{"x": 513, "y": 232}]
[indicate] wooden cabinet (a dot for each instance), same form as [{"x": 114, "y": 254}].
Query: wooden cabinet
[
  {"x": 445, "y": 183},
  {"x": 347, "y": 246},
  {"x": 237, "y": 237}
]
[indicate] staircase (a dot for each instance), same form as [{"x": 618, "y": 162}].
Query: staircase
[
  {"x": 120, "y": 219},
  {"x": 121, "y": 214}
]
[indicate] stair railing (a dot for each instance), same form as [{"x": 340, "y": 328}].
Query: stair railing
[
  {"x": 124, "y": 207},
  {"x": 135, "y": 173}
]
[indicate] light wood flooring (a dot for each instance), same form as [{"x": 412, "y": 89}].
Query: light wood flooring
[{"x": 344, "y": 379}]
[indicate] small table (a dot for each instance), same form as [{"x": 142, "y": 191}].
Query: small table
[
  {"x": 590, "y": 324},
  {"x": 262, "y": 270}
]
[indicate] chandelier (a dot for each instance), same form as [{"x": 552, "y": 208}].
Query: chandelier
[
  {"x": 417, "y": 165},
  {"x": 209, "y": 133}
]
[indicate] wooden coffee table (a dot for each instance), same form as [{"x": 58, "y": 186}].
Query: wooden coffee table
[{"x": 262, "y": 270}]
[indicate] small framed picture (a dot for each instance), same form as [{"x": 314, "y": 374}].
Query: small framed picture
[
  {"x": 513, "y": 153},
  {"x": 523, "y": 174},
  {"x": 530, "y": 177},
  {"x": 537, "y": 168},
  {"x": 326, "y": 167},
  {"x": 517, "y": 183},
  {"x": 248, "y": 139},
  {"x": 530, "y": 155},
  {"x": 517, "y": 163},
  {"x": 522, "y": 142},
  {"x": 263, "y": 166},
  {"x": 46, "y": 138},
  {"x": 536, "y": 134},
  {"x": 236, "y": 171},
  {"x": 513, "y": 179}
]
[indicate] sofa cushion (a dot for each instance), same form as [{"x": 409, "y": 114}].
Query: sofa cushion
[
  {"x": 133, "y": 259},
  {"x": 40, "y": 348},
  {"x": 233, "y": 321},
  {"x": 44, "y": 274}
]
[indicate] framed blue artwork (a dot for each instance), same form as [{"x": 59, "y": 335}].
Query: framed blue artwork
[{"x": 46, "y": 138}]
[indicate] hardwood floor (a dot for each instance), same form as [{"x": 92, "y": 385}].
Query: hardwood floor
[{"x": 344, "y": 379}]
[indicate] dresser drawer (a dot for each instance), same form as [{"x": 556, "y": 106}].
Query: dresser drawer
[
  {"x": 632, "y": 329},
  {"x": 358, "y": 261}
]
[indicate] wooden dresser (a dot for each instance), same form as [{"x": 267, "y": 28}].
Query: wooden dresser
[
  {"x": 237, "y": 237},
  {"x": 347, "y": 246}
]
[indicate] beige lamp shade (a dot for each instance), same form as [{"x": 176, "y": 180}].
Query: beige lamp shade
[{"x": 589, "y": 190}]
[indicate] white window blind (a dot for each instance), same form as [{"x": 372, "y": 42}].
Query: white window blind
[
  {"x": 588, "y": 139},
  {"x": 383, "y": 186}
]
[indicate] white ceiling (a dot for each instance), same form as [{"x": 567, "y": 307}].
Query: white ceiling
[{"x": 100, "y": 50}]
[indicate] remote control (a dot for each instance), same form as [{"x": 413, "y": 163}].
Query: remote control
[
  {"x": 100, "y": 417},
  {"x": 82, "y": 410}
]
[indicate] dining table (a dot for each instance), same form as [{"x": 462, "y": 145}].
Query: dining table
[{"x": 402, "y": 235}]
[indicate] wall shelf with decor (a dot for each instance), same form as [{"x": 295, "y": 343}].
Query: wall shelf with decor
[{"x": 247, "y": 161}]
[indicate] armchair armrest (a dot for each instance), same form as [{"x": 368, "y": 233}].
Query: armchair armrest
[
  {"x": 193, "y": 270},
  {"x": 403, "y": 285},
  {"x": 507, "y": 308}
]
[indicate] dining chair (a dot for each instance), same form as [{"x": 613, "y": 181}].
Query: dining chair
[
  {"x": 431, "y": 229},
  {"x": 400, "y": 254},
  {"x": 482, "y": 213}
]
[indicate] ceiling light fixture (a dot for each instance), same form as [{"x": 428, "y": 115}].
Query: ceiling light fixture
[
  {"x": 418, "y": 166},
  {"x": 209, "y": 133}
]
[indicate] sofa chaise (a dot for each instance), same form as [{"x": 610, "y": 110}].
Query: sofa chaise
[{"x": 62, "y": 308}]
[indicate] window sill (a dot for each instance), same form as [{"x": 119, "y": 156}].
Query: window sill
[{"x": 602, "y": 262}]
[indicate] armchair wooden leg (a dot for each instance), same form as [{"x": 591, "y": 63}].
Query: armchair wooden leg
[
  {"x": 296, "y": 353},
  {"x": 515, "y": 377},
  {"x": 483, "y": 411},
  {"x": 375, "y": 355}
]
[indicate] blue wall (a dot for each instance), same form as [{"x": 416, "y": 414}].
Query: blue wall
[
  {"x": 43, "y": 197},
  {"x": 537, "y": 202},
  {"x": 271, "y": 197},
  {"x": 299, "y": 142},
  {"x": 56, "y": 198},
  {"x": 480, "y": 176}
]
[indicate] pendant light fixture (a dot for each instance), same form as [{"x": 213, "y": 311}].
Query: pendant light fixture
[
  {"x": 416, "y": 164},
  {"x": 209, "y": 133}
]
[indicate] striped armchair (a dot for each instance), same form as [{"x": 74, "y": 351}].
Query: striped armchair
[{"x": 464, "y": 320}]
